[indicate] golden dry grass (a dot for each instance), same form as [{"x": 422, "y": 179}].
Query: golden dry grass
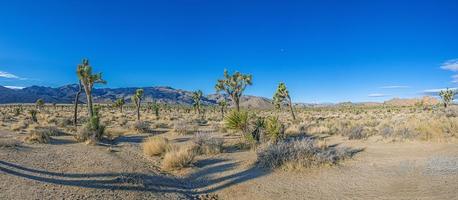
[{"x": 155, "y": 146}]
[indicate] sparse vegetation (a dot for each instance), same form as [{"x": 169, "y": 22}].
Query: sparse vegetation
[{"x": 155, "y": 146}]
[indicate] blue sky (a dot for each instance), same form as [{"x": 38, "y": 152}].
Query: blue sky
[{"x": 325, "y": 51}]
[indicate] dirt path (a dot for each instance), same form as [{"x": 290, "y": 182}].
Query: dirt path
[
  {"x": 65, "y": 169},
  {"x": 382, "y": 171}
]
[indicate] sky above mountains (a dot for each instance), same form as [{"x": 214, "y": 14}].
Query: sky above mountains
[{"x": 325, "y": 51}]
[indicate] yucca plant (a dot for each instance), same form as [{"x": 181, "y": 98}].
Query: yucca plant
[
  {"x": 137, "y": 100},
  {"x": 447, "y": 96},
  {"x": 234, "y": 85},
  {"x": 274, "y": 129},
  {"x": 88, "y": 80},
  {"x": 282, "y": 95},
  {"x": 237, "y": 121}
]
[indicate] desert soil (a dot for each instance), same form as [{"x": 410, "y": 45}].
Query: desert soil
[{"x": 118, "y": 170}]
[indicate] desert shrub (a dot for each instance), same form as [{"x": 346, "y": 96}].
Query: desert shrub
[
  {"x": 93, "y": 129},
  {"x": 20, "y": 125},
  {"x": 50, "y": 131},
  {"x": 179, "y": 157},
  {"x": 298, "y": 154},
  {"x": 38, "y": 136},
  {"x": 33, "y": 115},
  {"x": 357, "y": 133},
  {"x": 65, "y": 122},
  {"x": 9, "y": 143},
  {"x": 208, "y": 144},
  {"x": 155, "y": 146},
  {"x": 181, "y": 127},
  {"x": 237, "y": 121},
  {"x": 141, "y": 127}
]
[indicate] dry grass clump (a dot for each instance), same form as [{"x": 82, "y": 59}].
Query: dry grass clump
[
  {"x": 38, "y": 136},
  {"x": 141, "y": 127},
  {"x": 50, "y": 130},
  {"x": 9, "y": 143},
  {"x": 208, "y": 144},
  {"x": 179, "y": 157},
  {"x": 155, "y": 146},
  {"x": 181, "y": 127},
  {"x": 300, "y": 154}
]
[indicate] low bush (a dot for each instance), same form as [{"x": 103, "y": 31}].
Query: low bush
[
  {"x": 299, "y": 154},
  {"x": 141, "y": 127},
  {"x": 38, "y": 136},
  {"x": 179, "y": 157},
  {"x": 207, "y": 144},
  {"x": 155, "y": 146}
]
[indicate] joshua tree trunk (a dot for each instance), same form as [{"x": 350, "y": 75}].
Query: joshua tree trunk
[
  {"x": 222, "y": 112},
  {"x": 291, "y": 108},
  {"x": 89, "y": 103},
  {"x": 121, "y": 108},
  {"x": 75, "y": 114},
  {"x": 138, "y": 110},
  {"x": 237, "y": 103}
]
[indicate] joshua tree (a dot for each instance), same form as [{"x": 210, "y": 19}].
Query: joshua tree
[
  {"x": 447, "y": 96},
  {"x": 234, "y": 85},
  {"x": 77, "y": 97},
  {"x": 196, "y": 97},
  {"x": 281, "y": 95},
  {"x": 137, "y": 100},
  {"x": 119, "y": 103},
  {"x": 156, "y": 109},
  {"x": 39, "y": 104},
  {"x": 222, "y": 104},
  {"x": 88, "y": 79}
]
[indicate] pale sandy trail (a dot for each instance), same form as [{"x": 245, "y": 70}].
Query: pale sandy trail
[
  {"x": 382, "y": 171},
  {"x": 71, "y": 170},
  {"x": 76, "y": 171}
]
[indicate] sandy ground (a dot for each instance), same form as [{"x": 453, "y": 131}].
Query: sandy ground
[{"x": 64, "y": 169}]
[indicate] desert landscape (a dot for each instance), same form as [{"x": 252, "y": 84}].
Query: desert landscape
[
  {"x": 228, "y": 100},
  {"x": 402, "y": 150}
]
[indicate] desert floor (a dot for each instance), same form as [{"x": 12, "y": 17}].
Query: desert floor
[{"x": 117, "y": 169}]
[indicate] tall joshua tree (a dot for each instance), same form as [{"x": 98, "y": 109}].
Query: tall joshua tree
[
  {"x": 222, "y": 105},
  {"x": 77, "y": 99},
  {"x": 88, "y": 80},
  {"x": 196, "y": 97},
  {"x": 137, "y": 100},
  {"x": 447, "y": 96},
  {"x": 282, "y": 95},
  {"x": 234, "y": 85}
]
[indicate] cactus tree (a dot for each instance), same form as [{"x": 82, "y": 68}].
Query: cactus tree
[
  {"x": 119, "y": 103},
  {"x": 88, "y": 79},
  {"x": 447, "y": 96},
  {"x": 196, "y": 97},
  {"x": 282, "y": 95},
  {"x": 137, "y": 100},
  {"x": 234, "y": 85}
]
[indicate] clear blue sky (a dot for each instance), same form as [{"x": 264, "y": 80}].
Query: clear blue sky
[{"x": 325, "y": 51}]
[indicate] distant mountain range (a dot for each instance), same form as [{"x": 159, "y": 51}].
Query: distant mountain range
[
  {"x": 169, "y": 95},
  {"x": 66, "y": 94}
]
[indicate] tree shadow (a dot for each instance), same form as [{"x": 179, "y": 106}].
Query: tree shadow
[{"x": 140, "y": 182}]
